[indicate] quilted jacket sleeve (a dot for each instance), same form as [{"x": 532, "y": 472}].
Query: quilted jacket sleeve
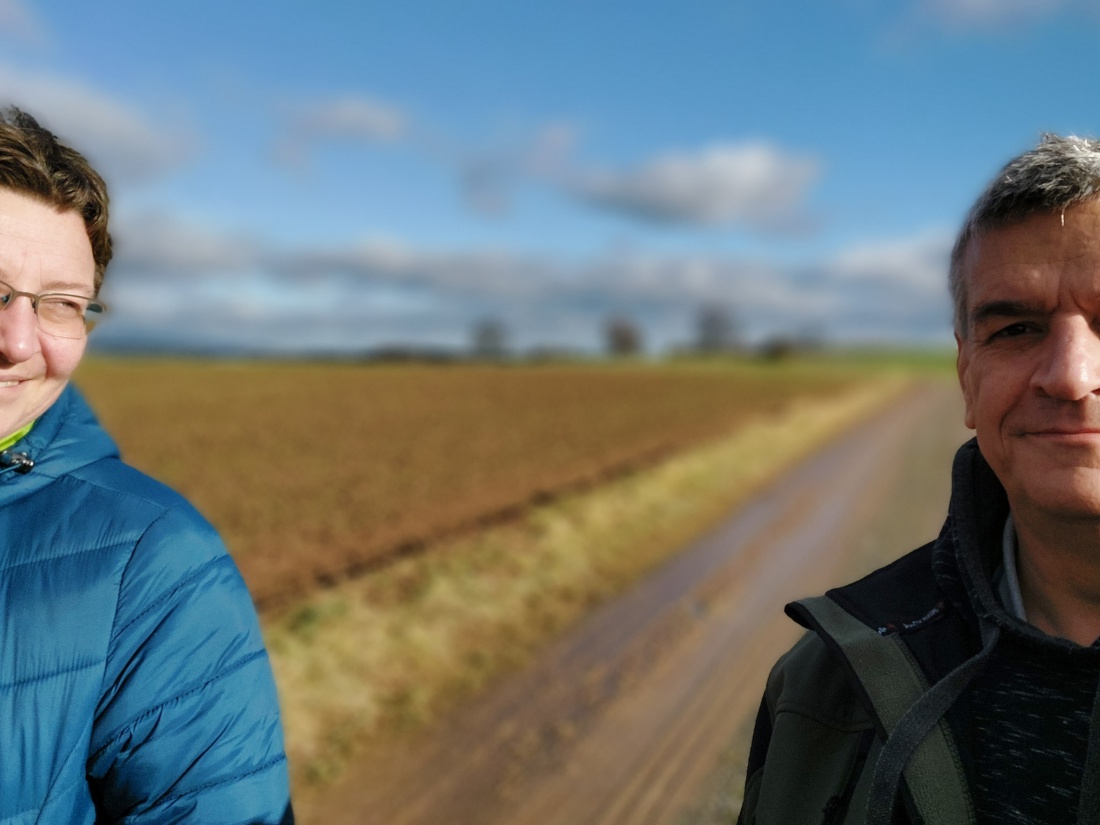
[{"x": 187, "y": 728}]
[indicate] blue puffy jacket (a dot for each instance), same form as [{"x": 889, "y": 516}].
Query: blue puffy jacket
[{"x": 134, "y": 684}]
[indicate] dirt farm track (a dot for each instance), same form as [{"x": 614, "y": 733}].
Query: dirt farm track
[{"x": 638, "y": 715}]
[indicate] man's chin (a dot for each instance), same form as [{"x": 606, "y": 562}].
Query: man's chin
[{"x": 1069, "y": 494}]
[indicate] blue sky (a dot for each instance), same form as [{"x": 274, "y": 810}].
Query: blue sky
[{"x": 298, "y": 177}]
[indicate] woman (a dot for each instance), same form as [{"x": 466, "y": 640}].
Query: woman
[{"x": 134, "y": 684}]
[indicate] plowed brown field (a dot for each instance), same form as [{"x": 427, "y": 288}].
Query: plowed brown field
[{"x": 313, "y": 472}]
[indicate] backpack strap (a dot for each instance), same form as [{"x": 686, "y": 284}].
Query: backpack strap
[{"x": 892, "y": 681}]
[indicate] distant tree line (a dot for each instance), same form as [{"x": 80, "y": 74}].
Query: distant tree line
[{"x": 717, "y": 332}]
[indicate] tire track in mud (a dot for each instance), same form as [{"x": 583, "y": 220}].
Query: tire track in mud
[{"x": 624, "y": 719}]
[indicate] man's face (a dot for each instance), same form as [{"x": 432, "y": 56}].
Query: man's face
[
  {"x": 41, "y": 250},
  {"x": 1030, "y": 363}
]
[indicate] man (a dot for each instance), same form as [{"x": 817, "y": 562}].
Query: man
[
  {"x": 961, "y": 684},
  {"x": 134, "y": 685}
]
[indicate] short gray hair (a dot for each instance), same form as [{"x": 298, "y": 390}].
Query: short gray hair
[{"x": 1057, "y": 174}]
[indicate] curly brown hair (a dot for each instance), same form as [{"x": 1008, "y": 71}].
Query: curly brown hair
[{"x": 35, "y": 163}]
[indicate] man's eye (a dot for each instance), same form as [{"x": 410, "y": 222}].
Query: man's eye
[{"x": 1013, "y": 330}]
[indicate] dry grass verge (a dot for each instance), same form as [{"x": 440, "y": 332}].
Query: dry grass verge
[
  {"x": 396, "y": 648},
  {"x": 915, "y": 505}
]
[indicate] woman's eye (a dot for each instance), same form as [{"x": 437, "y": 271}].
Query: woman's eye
[{"x": 60, "y": 308}]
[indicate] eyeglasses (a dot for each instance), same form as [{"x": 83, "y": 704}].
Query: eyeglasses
[{"x": 59, "y": 314}]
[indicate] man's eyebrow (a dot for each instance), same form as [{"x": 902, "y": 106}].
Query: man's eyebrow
[{"x": 1002, "y": 309}]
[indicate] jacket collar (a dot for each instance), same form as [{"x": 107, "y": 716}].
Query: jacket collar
[
  {"x": 66, "y": 437},
  {"x": 969, "y": 548}
]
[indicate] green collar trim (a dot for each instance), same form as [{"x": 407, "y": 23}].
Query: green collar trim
[{"x": 14, "y": 437}]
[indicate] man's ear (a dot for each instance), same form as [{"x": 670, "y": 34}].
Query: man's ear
[{"x": 962, "y": 363}]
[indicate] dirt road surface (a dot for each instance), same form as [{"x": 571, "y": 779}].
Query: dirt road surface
[{"x": 625, "y": 719}]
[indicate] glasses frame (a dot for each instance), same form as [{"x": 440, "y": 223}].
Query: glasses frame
[{"x": 94, "y": 305}]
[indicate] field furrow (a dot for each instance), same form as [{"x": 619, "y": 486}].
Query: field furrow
[{"x": 312, "y": 472}]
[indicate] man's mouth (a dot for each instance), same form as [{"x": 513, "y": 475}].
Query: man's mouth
[{"x": 1066, "y": 433}]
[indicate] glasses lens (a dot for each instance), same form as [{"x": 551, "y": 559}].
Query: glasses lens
[{"x": 63, "y": 315}]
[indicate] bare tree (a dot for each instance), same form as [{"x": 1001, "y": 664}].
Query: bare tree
[
  {"x": 489, "y": 339},
  {"x": 717, "y": 329},
  {"x": 622, "y": 336}
]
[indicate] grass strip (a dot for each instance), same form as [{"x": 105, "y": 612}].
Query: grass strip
[{"x": 392, "y": 651}]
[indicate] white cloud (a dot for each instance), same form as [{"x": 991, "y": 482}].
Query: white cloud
[
  {"x": 753, "y": 184},
  {"x": 918, "y": 263},
  {"x": 968, "y": 14},
  {"x": 18, "y": 23},
  {"x": 355, "y": 118},
  {"x": 159, "y": 246},
  {"x": 486, "y": 183},
  {"x": 549, "y": 151},
  {"x": 892, "y": 289},
  {"x": 119, "y": 140},
  {"x": 481, "y": 272},
  {"x": 488, "y": 177}
]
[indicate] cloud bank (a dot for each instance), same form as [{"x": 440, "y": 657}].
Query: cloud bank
[{"x": 178, "y": 284}]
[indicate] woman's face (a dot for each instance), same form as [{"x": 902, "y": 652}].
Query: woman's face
[{"x": 41, "y": 250}]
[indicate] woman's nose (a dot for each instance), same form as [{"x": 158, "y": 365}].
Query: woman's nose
[{"x": 18, "y": 330}]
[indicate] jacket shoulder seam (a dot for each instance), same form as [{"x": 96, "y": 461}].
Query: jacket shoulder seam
[
  {"x": 252, "y": 657},
  {"x": 115, "y": 627},
  {"x": 82, "y": 551},
  {"x": 167, "y": 594},
  {"x": 81, "y": 474},
  {"x": 271, "y": 763},
  {"x": 84, "y": 665}
]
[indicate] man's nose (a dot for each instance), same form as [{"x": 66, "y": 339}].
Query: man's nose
[
  {"x": 1070, "y": 369},
  {"x": 18, "y": 330}
]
